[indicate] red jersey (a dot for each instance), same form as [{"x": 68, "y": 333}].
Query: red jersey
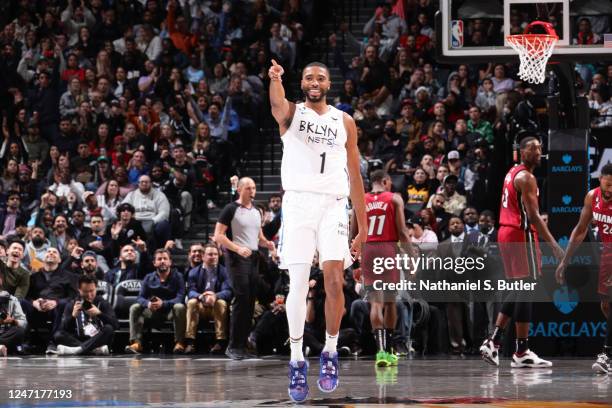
[
  {"x": 602, "y": 214},
  {"x": 512, "y": 212},
  {"x": 381, "y": 217}
]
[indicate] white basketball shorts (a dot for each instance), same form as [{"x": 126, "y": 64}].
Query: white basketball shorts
[{"x": 313, "y": 221}]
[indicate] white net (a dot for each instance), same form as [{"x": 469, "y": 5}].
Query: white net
[{"x": 534, "y": 50}]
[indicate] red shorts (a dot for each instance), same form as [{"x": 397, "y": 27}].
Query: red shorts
[
  {"x": 373, "y": 254},
  {"x": 520, "y": 252}
]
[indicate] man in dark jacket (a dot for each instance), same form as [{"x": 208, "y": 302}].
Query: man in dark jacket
[
  {"x": 209, "y": 295},
  {"x": 88, "y": 323},
  {"x": 129, "y": 267},
  {"x": 50, "y": 290},
  {"x": 161, "y": 298}
]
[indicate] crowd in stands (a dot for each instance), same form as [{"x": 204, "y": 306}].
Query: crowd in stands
[{"x": 122, "y": 121}]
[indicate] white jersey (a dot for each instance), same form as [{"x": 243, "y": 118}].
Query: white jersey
[{"x": 314, "y": 155}]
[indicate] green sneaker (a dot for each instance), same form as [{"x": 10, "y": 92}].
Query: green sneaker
[
  {"x": 392, "y": 359},
  {"x": 382, "y": 359}
]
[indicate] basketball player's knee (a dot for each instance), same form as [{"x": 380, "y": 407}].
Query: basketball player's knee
[{"x": 333, "y": 284}]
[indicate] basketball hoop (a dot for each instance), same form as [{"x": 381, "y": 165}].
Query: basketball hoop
[{"x": 534, "y": 50}]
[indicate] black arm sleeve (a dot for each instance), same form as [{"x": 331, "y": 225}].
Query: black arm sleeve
[{"x": 227, "y": 214}]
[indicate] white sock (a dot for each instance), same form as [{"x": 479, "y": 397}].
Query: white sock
[
  {"x": 296, "y": 307},
  {"x": 331, "y": 343}
]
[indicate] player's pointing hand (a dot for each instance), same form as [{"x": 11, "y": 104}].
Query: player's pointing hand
[{"x": 276, "y": 71}]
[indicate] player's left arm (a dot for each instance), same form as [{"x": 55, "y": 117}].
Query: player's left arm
[
  {"x": 578, "y": 234},
  {"x": 356, "y": 185},
  {"x": 400, "y": 219}
]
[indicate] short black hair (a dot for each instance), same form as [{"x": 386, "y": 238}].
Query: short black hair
[
  {"x": 457, "y": 217},
  {"x": 16, "y": 241},
  {"x": 317, "y": 64},
  {"x": 377, "y": 176},
  {"x": 526, "y": 140},
  {"x": 87, "y": 279},
  {"x": 606, "y": 170},
  {"x": 488, "y": 213},
  {"x": 275, "y": 195}
]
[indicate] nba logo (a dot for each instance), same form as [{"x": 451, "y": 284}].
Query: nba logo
[{"x": 456, "y": 33}]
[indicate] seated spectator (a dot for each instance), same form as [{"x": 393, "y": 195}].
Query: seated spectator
[
  {"x": 408, "y": 126},
  {"x": 194, "y": 258},
  {"x": 16, "y": 278},
  {"x": 478, "y": 125},
  {"x": 88, "y": 323},
  {"x": 92, "y": 208},
  {"x": 126, "y": 229},
  {"x": 36, "y": 248},
  {"x": 417, "y": 191},
  {"x": 500, "y": 82},
  {"x": 132, "y": 265},
  {"x": 470, "y": 219},
  {"x": 10, "y": 213},
  {"x": 13, "y": 326},
  {"x": 160, "y": 299},
  {"x": 419, "y": 233},
  {"x": 486, "y": 97},
  {"x": 209, "y": 296},
  {"x": 59, "y": 235},
  {"x": 152, "y": 210},
  {"x": 50, "y": 290},
  {"x": 82, "y": 263},
  {"x": 440, "y": 216},
  {"x": 454, "y": 202},
  {"x": 110, "y": 200}
]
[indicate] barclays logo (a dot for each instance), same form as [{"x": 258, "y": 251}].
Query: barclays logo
[
  {"x": 565, "y": 299},
  {"x": 567, "y": 199},
  {"x": 566, "y": 167},
  {"x": 566, "y": 209}
]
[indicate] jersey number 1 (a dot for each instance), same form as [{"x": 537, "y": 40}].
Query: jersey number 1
[
  {"x": 372, "y": 223},
  {"x": 322, "y": 161}
]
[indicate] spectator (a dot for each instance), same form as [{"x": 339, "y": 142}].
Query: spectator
[
  {"x": 160, "y": 299},
  {"x": 454, "y": 202},
  {"x": 194, "y": 259},
  {"x": 417, "y": 191},
  {"x": 152, "y": 210},
  {"x": 59, "y": 236},
  {"x": 126, "y": 229},
  {"x": 209, "y": 296},
  {"x": 501, "y": 83},
  {"x": 440, "y": 216},
  {"x": 88, "y": 324},
  {"x": 132, "y": 265},
  {"x": 238, "y": 230},
  {"x": 36, "y": 248},
  {"x": 50, "y": 290},
  {"x": 13, "y": 326},
  {"x": 15, "y": 278},
  {"x": 478, "y": 125},
  {"x": 470, "y": 220},
  {"x": 421, "y": 234},
  {"x": 98, "y": 242},
  {"x": 10, "y": 214}
]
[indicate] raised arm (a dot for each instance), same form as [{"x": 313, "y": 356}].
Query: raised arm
[
  {"x": 356, "y": 185},
  {"x": 578, "y": 234},
  {"x": 525, "y": 182},
  {"x": 282, "y": 109}
]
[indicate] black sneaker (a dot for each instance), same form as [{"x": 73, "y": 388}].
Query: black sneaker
[
  {"x": 234, "y": 354},
  {"x": 400, "y": 348}
]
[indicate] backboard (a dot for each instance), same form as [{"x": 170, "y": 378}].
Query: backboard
[{"x": 476, "y": 30}]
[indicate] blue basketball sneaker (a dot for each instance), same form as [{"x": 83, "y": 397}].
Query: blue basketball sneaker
[
  {"x": 328, "y": 376},
  {"x": 298, "y": 380}
]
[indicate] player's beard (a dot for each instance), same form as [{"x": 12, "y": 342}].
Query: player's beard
[{"x": 322, "y": 93}]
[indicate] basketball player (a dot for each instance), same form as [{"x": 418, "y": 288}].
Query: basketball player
[
  {"x": 320, "y": 168},
  {"x": 598, "y": 206},
  {"x": 520, "y": 224},
  {"x": 386, "y": 225}
]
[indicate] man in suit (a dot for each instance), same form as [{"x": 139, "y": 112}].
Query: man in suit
[
  {"x": 458, "y": 244},
  {"x": 209, "y": 296}
]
